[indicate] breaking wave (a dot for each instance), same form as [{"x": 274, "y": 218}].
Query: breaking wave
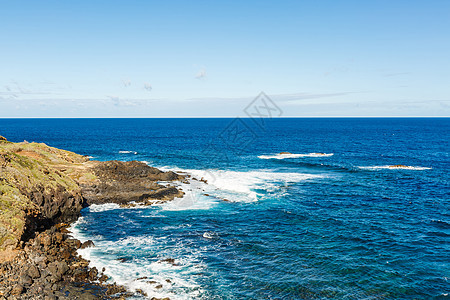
[
  {"x": 157, "y": 277},
  {"x": 128, "y": 152},
  {"x": 292, "y": 155},
  {"x": 207, "y": 187},
  {"x": 395, "y": 167}
]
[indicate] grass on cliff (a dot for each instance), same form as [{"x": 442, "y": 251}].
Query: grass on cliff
[{"x": 28, "y": 166}]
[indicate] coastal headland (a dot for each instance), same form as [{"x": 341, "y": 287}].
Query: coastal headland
[{"x": 42, "y": 191}]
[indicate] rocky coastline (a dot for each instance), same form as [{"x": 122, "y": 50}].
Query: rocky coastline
[{"x": 42, "y": 190}]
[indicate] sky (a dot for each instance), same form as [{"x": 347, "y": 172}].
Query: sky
[{"x": 212, "y": 58}]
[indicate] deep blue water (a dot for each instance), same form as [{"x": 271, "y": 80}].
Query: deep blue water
[{"x": 342, "y": 226}]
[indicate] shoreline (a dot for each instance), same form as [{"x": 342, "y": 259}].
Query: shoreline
[{"x": 42, "y": 191}]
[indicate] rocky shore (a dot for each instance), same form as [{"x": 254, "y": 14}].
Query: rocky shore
[{"x": 42, "y": 190}]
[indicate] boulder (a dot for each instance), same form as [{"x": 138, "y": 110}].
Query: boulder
[
  {"x": 33, "y": 272},
  {"x": 87, "y": 244},
  {"x": 58, "y": 269},
  {"x": 93, "y": 273},
  {"x": 17, "y": 290},
  {"x": 25, "y": 280}
]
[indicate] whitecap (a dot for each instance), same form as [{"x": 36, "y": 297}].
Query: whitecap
[
  {"x": 194, "y": 198},
  {"x": 247, "y": 182},
  {"x": 395, "y": 167},
  {"x": 130, "y": 243},
  {"x": 76, "y": 230},
  {"x": 128, "y": 152},
  {"x": 210, "y": 235},
  {"x": 207, "y": 187},
  {"x": 292, "y": 155},
  {"x": 177, "y": 280}
]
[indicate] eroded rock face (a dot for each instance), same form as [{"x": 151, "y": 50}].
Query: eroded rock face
[
  {"x": 40, "y": 187},
  {"x": 34, "y": 196},
  {"x": 56, "y": 203}
]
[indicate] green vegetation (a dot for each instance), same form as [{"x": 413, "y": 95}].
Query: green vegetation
[{"x": 27, "y": 169}]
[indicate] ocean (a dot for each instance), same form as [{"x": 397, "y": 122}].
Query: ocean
[{"x": 358, "y": 209}]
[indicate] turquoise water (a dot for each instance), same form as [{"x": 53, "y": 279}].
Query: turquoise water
[{"x": 304, "y": 226}]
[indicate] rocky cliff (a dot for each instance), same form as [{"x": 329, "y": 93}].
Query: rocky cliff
[
  {"x": 34, "y": 195},
  {"x": 42, "y": 189}
]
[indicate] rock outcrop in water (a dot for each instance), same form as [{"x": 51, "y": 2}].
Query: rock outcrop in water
[
  {"x": 42, "y": 189},
  {"x": 398, "y": 166},
  {"x": 124, "y": 182}
]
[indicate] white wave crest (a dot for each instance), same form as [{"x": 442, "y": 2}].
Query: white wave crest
[
  {"x": 158, "y": 279},
  {"x": 292, "y": 155},
  {"x": 128, "y": 152},
  {"x": 103, "y": 207},
  {"x": 395, "y": 167},
  {"x": 210, "y": 235},
  {"x": 247, "y": 182},
  {"x": 194, "y": 198},
  {"x": 207, "y": 187}
]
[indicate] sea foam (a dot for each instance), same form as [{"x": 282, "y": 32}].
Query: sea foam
[
  {"x": 103, "y": 207},
  {"x": 292, "y": 155},
  {"x": 210, "y": 186},
  {"x": 395, "y": 167},
  {"x": 246, "y": 182},
  {"x": 177, "y": 280},
  {"x": 128, "y": 152}
]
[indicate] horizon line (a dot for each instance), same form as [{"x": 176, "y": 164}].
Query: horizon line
[{"x": 222, "y": 117}]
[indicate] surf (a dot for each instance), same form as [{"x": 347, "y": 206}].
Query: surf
[
  {"x": 394, "y": 167},
  {"x": 286, "y": 155}
]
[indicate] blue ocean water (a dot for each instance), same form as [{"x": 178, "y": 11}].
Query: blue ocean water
[{"x": 297, "y": 226}]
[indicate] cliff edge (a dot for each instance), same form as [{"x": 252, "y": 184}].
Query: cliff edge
[{"x": 42, "y": 190}]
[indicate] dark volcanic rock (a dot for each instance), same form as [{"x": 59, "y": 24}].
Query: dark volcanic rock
[
  {"x": 25, "y": 280},
  {"x": 161, "y": 194},
  {"x": 87, "y": 244},
  {"x": 17, "y": 289},
  {"x": 123, "y": 182},
  {"x": 46, "y": 189},
  {"x": 29, "y": 277},
  {"x": 122, "y": 259},
  {"x": 57, "y": 205},
  {"x": 33, "y": 272},
  {"x": 132, "y": 170},
  {"x": 58, "y": 269}
]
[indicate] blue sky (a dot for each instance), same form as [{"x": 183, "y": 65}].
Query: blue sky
[{"x": 211, "y": 58}]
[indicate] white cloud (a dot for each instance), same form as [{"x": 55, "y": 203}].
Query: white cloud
[
  {"x": 148, "y": 86},
  {"x": 126, "y": 82},
  {"x": 201, "y": 74}
]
